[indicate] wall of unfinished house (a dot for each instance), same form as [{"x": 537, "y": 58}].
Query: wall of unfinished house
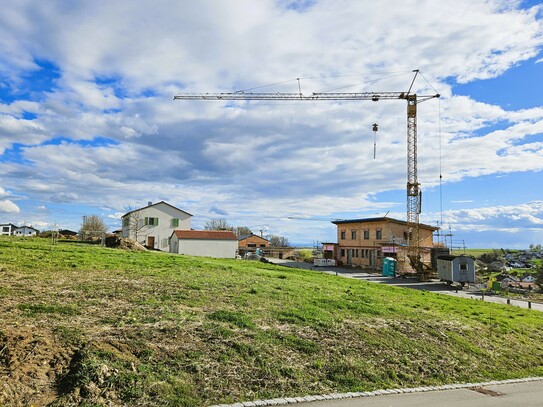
[{"x": 365, "y": 244}]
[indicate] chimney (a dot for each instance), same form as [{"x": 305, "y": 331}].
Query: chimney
[{"x": 149, "y": 203}]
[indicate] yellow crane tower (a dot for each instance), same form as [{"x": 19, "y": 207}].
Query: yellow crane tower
[{"x": 414, "y": 194}]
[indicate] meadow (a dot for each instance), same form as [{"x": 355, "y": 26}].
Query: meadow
[{"x": 87, "y": 325}]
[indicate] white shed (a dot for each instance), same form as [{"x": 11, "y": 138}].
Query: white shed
[
  {"x": 460, "y": 269},
  {"x": 206, "y": 243}
]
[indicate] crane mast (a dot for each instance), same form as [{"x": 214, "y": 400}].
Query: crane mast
[{"x": 414, "y": 194}]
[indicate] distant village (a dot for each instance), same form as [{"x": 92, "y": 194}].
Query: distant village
[{"x": 363, "y": 243}]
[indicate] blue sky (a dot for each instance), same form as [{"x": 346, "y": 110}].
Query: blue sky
[{"x": 88, "y": 124}]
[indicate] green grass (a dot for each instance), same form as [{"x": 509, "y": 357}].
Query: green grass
[
  {"x": 472, "y": 252},
  {"x": 133, "y": 328}
]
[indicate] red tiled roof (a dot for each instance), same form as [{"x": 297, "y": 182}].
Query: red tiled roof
[{"x": 206, "y": 234}]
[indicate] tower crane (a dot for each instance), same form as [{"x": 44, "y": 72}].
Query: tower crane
[{"x": 414, "y": 193}]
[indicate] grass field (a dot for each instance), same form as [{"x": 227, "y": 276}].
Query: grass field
[
  {"x": 85, "y": 325},
  {"x": 472, "y": 252}
]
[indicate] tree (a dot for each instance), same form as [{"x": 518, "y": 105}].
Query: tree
[
  {"x": 92, "y": 226},
  {"x": 490, "y": 257},
  {"x": 242, "y": 230},
  {"x": 217, "y": 224},
  {"x": 134, "y": 223},
  {"x": 278, "y": 241},
  {"x": 539, "y": 277}
]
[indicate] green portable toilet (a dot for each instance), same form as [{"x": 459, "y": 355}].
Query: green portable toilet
[
  {"x": 389, "y": 267},
  {"x": 496, "y": 286}
]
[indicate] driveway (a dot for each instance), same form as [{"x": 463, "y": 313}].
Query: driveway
[{"x": 529, "y": 394}]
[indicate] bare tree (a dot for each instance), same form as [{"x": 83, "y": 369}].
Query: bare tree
[
  {"x": 242, "y": 230},
  {"x": 92, "y": 226},
  {"x": 278, "y": 241},
  {"x": 134, "y": 223},
  {"x": 218, "y": 224}
]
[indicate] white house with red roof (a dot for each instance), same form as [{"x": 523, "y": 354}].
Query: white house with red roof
[
  {"x": 153, "y": 224},
  {"x": 207, "y": 243}
]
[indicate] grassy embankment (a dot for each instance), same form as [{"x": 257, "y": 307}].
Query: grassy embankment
[{"x": 84, "y": 324}]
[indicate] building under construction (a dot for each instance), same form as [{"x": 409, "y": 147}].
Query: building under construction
[{"x": 365, "y": 242}]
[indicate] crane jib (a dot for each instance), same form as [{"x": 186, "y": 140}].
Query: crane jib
[{"x": 374, "y": 96}]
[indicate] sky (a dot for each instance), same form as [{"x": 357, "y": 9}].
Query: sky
[{"x": 88, "y": 124}]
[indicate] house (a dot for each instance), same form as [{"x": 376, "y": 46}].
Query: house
[
  {"x": 153, "y": 224},
  {"x": 207, "y": 243},
  {"x": 528, "y": 278},
  {"x": 67, "y": 233},
  {"x": 251, "y": 242},
  {"x": 25, "y": 231},
  {"x": 13, "y": 230},
  {"x": 7, "y": 228},
  {"x": 365, "y": 242}
]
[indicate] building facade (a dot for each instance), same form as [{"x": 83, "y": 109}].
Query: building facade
[
  {"x": 365, "y": 242},
  {"x": 250, "y": 243},
  {"x": 7, "y": 228},
  {"x": 152, "y": 226},
  {"x": 26, "y": 231},
  {"x": 13, "y": 230}
]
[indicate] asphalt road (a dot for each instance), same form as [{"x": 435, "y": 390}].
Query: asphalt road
[
  {"x": 434, "y": 286},
  {"x": 528, "y": 394}
]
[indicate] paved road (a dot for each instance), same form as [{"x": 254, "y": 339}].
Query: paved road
[
  {"x": 528, "y": 394},
  {"x": 434, "y": 286}
]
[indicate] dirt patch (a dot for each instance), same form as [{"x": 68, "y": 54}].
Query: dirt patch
[
  {"x": 123, "y": 243},
  {"x": 31, "y": 363}
]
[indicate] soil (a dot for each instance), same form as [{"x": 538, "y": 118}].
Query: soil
[{"x": 31, "y": 364}]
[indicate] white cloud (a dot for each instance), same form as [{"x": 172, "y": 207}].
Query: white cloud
[
  {"x": 8, "y": 206},
  {"x": 500, "y": 218},
  {"x": 119, "y": 64}
]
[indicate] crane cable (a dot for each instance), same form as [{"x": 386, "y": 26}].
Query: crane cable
[{"x": 392, "y": 75}]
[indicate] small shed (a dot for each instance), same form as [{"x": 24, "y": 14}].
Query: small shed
[
  {"x": 459, "y": 269},
  {"x": 205, "y": 243}
]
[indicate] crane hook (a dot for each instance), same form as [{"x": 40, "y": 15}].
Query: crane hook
[{"x": 375, "y": 130}]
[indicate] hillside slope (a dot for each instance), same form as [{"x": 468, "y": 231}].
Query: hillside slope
[{"x": 84, "y": 324}]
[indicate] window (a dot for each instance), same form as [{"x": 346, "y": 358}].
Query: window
[
  {"x": 175, "y": 222},
  {"x": 408, "y": 236},
  {"x": 251, "y": 244},
  {"x": 342, "y": 252},
  {"x": 343, "y": 235},
  {"x": 5, "y": 229},
  {"x": 378, "y": 254},
  {"x": 353, "y": 234},
  {"x": 378, "y": 234},
  {"x": 356, "y": 253},
  {"x": 366, "y": 234},
  {"x": 151, "y": 221},
  {"x": 463, "y": 267},
  {"x": 126, "y": 222}
]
